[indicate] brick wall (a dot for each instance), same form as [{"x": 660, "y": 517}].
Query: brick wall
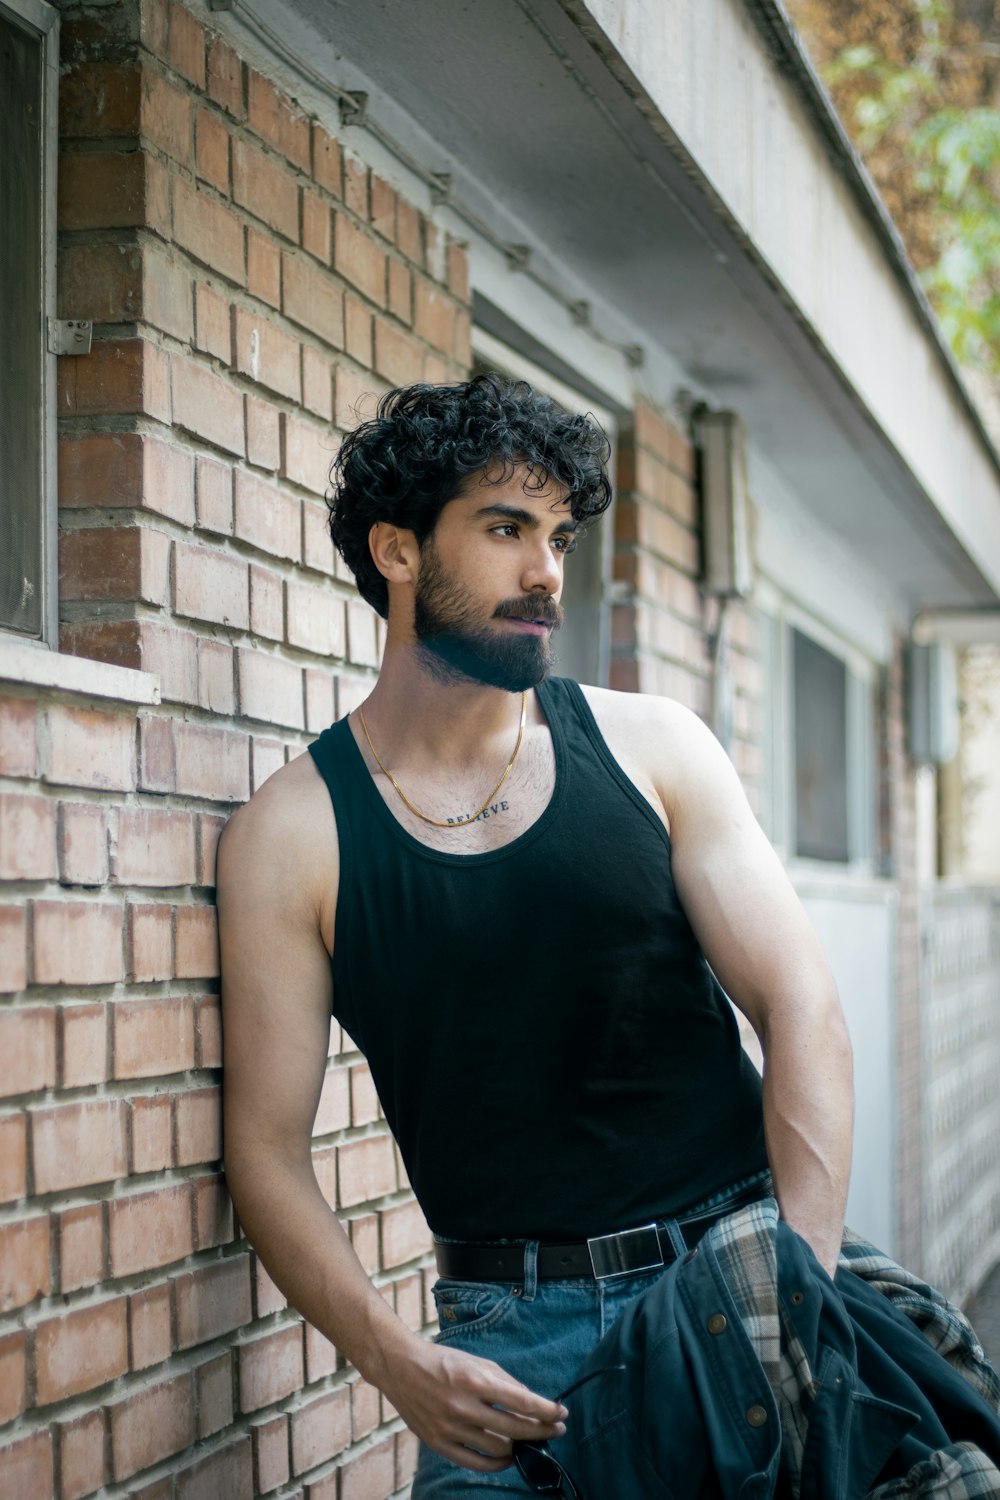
[
  {"x": 662, "y": 624},
  {"x": 249, "y": 280}
]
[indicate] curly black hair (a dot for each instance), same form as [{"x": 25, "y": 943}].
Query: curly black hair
[{"x": 410, "y": 459}]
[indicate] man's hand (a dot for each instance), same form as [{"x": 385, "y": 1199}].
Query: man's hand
[{"x": 451, "y": 1400}]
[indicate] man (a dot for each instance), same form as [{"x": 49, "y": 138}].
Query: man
[{"x": 518, "y": 883}]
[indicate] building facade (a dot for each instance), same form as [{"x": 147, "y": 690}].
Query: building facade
[{"x": 262, "y": 216}]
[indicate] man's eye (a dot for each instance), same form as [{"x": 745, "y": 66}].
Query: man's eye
[
  {"x": 565, "y": 544},
  {"x": 507, "y": 529}
]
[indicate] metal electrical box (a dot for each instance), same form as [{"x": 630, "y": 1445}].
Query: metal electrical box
[
  {"x": 725, "y": 504},
  {"x": 933, "y": 703}
]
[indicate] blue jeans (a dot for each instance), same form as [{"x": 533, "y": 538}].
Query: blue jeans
[{"x": 540, "y": 1332}]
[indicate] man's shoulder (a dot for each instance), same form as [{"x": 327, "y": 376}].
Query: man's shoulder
[
  {"x": 288, "y": 823},
  {"x": 645, "y": 713}
]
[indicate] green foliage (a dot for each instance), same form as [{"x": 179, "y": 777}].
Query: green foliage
[{"x": 953, "y": 156}]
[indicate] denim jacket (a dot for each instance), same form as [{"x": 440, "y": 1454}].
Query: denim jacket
[{"x": 749, "y": 1373}]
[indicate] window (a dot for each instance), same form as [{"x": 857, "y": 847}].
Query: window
[
  {"x": 583, "y": 645},
  {"x": 28, "y": 62},
  {"x": 819, "y": 794}
]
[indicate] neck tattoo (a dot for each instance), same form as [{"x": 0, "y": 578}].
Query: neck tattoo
[{"x": 487, "y": 805}]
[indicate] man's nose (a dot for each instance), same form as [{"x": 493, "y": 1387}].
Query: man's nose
[{"x": 542, "y": 571}]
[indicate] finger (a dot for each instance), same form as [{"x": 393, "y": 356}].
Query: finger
[
  {"x": 517, "y": 1398},
  {"x": 467, "y": 1458},
  {"x": 493, "y": 1444},
  {"x": 515, "y": 1427}
]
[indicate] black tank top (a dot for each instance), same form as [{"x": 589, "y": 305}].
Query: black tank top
[{"x": 551, "y": 1050}]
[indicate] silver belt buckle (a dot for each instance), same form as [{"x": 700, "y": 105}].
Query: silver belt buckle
[{"x": 625, "y": 1254}]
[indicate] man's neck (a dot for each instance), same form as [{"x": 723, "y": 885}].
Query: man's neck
[{"x": 415, "y": 717}]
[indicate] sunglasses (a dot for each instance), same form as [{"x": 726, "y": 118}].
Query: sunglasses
[{"x": 541, "y": 1472}]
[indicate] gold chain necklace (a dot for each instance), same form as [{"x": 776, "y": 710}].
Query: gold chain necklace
[{"x": 459, "y": 822}]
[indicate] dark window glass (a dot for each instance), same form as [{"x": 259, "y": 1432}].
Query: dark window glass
[
  {"x": 820, "y": 751},
  {"x": 21, "y": 500}
]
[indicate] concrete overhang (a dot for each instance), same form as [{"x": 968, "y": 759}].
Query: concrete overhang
[{"x": 663, "y": 167}]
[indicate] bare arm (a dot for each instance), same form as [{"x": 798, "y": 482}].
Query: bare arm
[
  {"x": 276, "y": 1011},
  {"x": 768, "y": 958}
]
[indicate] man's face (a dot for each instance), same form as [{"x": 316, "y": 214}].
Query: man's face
[{"x": 486, "y": 601}]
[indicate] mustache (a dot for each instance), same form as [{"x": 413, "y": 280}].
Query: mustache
[{"x": 546, "y": 610}]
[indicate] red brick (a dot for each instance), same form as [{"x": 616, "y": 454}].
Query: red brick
[
  {"x": 153, "y": 1037},
  {"x": 364, "y": 1100},
  {"x": 149, "y": 1229},
  {"x": 317, "y": 548},
  {"x": 213, "y": 1212},
  {"x": 270, "y": 689},
  {"x": 120, "y": 377},
  {"x": 198, "y": 1117},
  {"x": 166, "y": 293},
  {"x": 27, "y": 1467},
  {"x": 356, "y": 396},
  {"x": 333, "y": 1112},
  {"x": 398, "y": 356},
  {"x": 24, "y": 1261},
  {"x": 77, "y": 942},
  {"x": 370, "y": 1476},
  {"x": 155, "y": 847},
  {"x": 316, "y": 228},
  {"x": 405, "y": 1235},
  {"x": 12, "y": 1376},
  {"x": 356, "y": 186},
  {"x": 150, "y": 942},
  {"x": 113, "y": 191},
  {"x": 357, "y": 329},
  {"x": 27, "y": 1050},
  {"x": 321, "y": 1356},
  {"x": 366, "y": 1412},
  {"x": 77, "y": 1144},
  {"x": 266, "y": 603},
  {"x": 268, "y": 1297},
  {"x": 267, "y": 356},
  {"x": 277, "y": 120},
  {"x": 263, "y": 434},
  {"x": 209, "y": 832},
  {"x": 187, "y": 46},
  {"x": 81, "y": 1455},
  {"x": 151, "y": 1425},
  {"x": 100, "y": 98},
  {"x": 366, "y": 1170},
  {"x": 320, "y": 709},
  {"x": 101, "y": 282},
  {"x": 407, "y": 1452},
  {"x": 433, "y": 315},
  {"x": 226, "y": 1474},
  {"x": 216, "y": 690},
  {"x": 321, "y": 1430},
  {"x": 13, "y": 1157},
  {"x": 80, "y": 1350},
  {"x": 270, "y": 1450},
  {"x": 326, "y": 161},
  {"x": 436, "y": 369},
  {"x": 27, "y": 838},
  {"x": 225, "y": 77},
  {"x": 211, "y": 763},
  {"x": 400, "y": 293},
  {"x": 149, "y": 1327},
  {"x": 351, "y": 692},
  {"x": 152, "y": 1133},
  {"x": 312, "y": 299},
  {"x": 263, "y": 268},
  {"x": 83, "y": 844},
  {"x": 214, "y": 1394},
  {"x": 462, "y": 346},
  {"x": 270, "y": 1368},
  {"x": 358, "y": 258},
  {"x": 84, "y": 1045},
  {"x": 106, "y": 469},
  {"x": 114, "y": 563},
  {"x": 18, "y": 737},
  {"x": 364, "y": 1241},
  {"x": 156, "y": 1489},
  {"x": 308, "y": 454},
  {"x": 409, "y": 1300},
  {"x": 213, "y": 331},
  {"x": 211, "y": 585},
  {"x": 267, "y": 757},
  {"x": 197, "y": 943},
  {"x": 213, "y": 1301},
  {"x": 206, "y": 405},
  {"x": 383, "y": 206},
  {"x": 166, "y": 116},
  {"x": 266, "y": 189},
  {"x": 91, "y": 749},
  {"x": 408, "y": 235},
  {"x": 458, "y": 271},
  {"x": 208, "y": 1030},
  {"x": 362, "y": 636}
]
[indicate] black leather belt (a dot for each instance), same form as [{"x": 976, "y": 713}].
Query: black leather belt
[{"x": 623, "y": 1254}]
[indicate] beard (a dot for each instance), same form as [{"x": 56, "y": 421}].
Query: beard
[{"x": 457, "y": 646}]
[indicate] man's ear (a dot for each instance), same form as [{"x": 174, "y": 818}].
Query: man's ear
[{"x": 395, "y": 551}]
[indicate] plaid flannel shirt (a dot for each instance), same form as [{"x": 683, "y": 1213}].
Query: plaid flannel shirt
[{"x": 745, "y": 1243}]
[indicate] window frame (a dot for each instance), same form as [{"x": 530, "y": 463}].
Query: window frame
[
  {"x": 487, "y": 349},
  {"x": 782, "y": 616},
  {"x": 43, "y": 19}
]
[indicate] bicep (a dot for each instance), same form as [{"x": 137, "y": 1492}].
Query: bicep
[{"x": 276, "y": 999}]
